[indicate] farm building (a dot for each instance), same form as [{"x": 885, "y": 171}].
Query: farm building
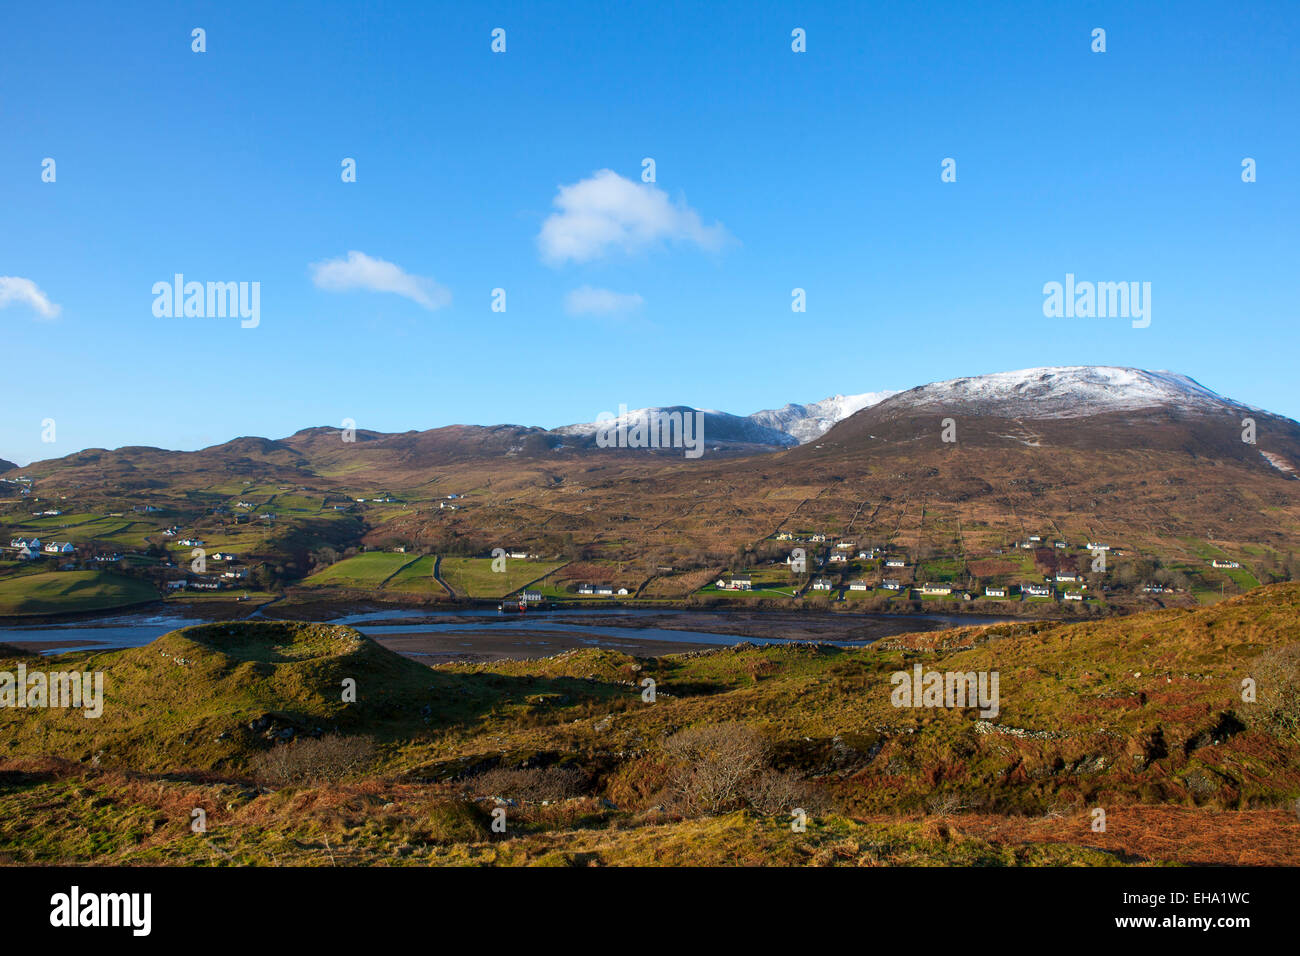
[{"x": 736, "y": 584}]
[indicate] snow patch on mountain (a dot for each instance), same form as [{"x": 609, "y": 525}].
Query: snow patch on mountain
[
  {"x": 1071, "y": 391},
  {"x": 814, "y": 419},
  {"x": 718, "y": 426},
  {"x": 1278, "y": 462}
]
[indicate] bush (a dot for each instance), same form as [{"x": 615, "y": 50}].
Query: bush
[
  {"x": 1277, "y": 682},
  {"x": 528, "y": 786},
  {"x": 314, "y": 760},
  {"x": 721, "y": 767},
  {"x": 715, "y": 764}
]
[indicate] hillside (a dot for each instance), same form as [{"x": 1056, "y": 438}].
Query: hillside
[
  {"x": 1150, "y": 462},
  {"x": 208, "y": 696},
  {"x": 1141, "y": 716}
]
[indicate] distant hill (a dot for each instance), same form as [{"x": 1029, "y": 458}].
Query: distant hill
[
  {"x": 1151, "y": 460},
  {"x": 6, "y": 465}
]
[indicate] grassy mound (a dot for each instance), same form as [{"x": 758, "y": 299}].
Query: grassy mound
[{"x": 211, "y": 695}]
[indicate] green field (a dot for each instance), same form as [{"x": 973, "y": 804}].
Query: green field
[
  {"x": 417, "y": 578},
  {"x": 55, "y": 592},
  {"x": 369, "y": 570},
  {"x": 474, "y": 577}
]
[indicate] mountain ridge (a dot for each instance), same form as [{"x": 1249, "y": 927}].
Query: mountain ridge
[{"x": 1051, "y": 393}]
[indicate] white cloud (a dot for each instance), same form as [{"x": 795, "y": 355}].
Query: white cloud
[
  {"x": 606, "y": 211},
  {"x": 15, "y": 290},
  {"x": 359, "y": 271},
  {"x": 588, "y": 301}
]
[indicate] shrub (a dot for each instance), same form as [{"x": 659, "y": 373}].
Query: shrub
[
  {"x": 1277, "y": 681},
  {"x": 715, "y": 764},
  {"x": 314, "y": 760},
  {"x": 719, "y": 767},
  {"x": 531, "y": 785}
]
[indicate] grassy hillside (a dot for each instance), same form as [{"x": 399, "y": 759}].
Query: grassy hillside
[
  {"x": 369, "y": 570},
  {"x": 474, "y": 577},
  {"x": 56, "y": 592},
  {"x": 1142, "y": 717},
  {"x": 209, "y": 696}
]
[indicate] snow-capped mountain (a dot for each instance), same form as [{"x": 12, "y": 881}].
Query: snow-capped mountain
[
  {"x": 789, "y": 425},
  {"x": 806, "y": 422},
  {"x": 718, "y": 426},
  {"x": 1072, "y": 391}
]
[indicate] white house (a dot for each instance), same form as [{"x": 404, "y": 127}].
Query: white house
[
  {"x": 191, "y": 542},
  {"x": 1097, "y": 546},
  {"x": 936, "y": 588},
  {"x": 28, "y": 554},
  {"x": 839, "y": 558},
  {"x": 517, "y": 553},
  {"x": 1217, "y": 563},
  {"x": 604, "y": 589},
  {"x": 821, "y": 584},
  {"x": 895, "y": 563},
  {"x": 1073, "y": 595},
  {"x": 859, "y": 585},
  {"x": 995, "y": 592},
  {"x": 889, "y": 584},
  {"x": 588, "y": 589},
  {"x": 237, "y": 574},
  {"x": 177, "y": 585},
  {"x": 1037, "y": 590},
  {"x": 622, "y": 590},
  {"x": 1066, "y": 576},
  {"x": 531, "y": 597}
]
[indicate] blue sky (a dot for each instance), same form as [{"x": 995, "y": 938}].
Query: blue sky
[{"x": 774, "y": 170}]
